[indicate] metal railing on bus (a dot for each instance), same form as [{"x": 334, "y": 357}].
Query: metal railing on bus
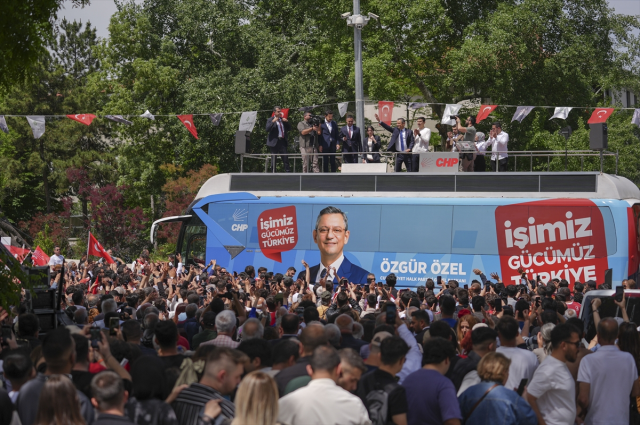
[{"x": 553, "y": 159}]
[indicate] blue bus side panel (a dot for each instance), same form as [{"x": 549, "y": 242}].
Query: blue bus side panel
[{"x": 416, "y": 238}]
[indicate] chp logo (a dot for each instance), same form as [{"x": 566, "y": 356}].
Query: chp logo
[
  {"x": 277, "y": 232},
  {"x": 447, "y": 162},
  {"x": 562, "y": 238}
]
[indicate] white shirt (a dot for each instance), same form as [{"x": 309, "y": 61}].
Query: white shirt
[
  {"x": 322, "y": 402},
  {"x": 499, "y": 144},
  {"x": 56, "y": 260},
  {"x": 336, "y": 265},
  {"x": 481, "y": 147},
  {"x": 421, "y": 141},
  {"x": 555, "y": 389},
  {"x": 610, "y": 373},
  {"x": 280, "y": 129},
  {"x": 523, "y": 364},
  {"x": 328, "y": 125},
  {"x": 469, "y": 380}
]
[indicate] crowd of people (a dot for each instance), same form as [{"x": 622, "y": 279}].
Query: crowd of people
[
  {"x": 322, "y": 135},
  {"x": 168, "y": 343}
]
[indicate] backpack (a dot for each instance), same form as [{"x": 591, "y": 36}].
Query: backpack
[{"x": 377, "y": 403}]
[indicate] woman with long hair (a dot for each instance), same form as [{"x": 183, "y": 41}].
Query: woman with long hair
[
  {"x": 256, "y": 400},
  {"x": 629, "y": 341},
  {"x": 464, "y": 327},
  {"x": 59, "y": 403}
]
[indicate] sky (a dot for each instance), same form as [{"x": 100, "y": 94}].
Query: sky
[{"x": 99, "y": 12}]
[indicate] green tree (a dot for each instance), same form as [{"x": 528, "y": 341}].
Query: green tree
[{"x": 26, "y": 28}]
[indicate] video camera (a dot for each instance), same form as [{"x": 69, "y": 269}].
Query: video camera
[{"x": 316, "y": 119}]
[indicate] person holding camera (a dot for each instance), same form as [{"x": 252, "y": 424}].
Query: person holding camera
[
  {"x": 309, "y": 132},
  {"x": 351, "y": 140},
  {"x": 277, "y": 128},
  {"x": 467, "y": 148}
]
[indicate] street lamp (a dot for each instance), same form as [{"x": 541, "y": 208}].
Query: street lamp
[{"x": 358, "y": 21}]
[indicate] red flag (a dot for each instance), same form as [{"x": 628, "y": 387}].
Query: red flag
[
  {"x": 39, "y": 257},
  {"x": 484, "y": 112},
  {"x": 96, "y": 249},
  {"x": 16, "y": 251},
  {"x": 85, "y": 119},
  {"x": 600, "y": 115},
  {"x": 187, "y": 120},
  {"x": 385, "y": 111},
  {"x": 285, "y": 113}
]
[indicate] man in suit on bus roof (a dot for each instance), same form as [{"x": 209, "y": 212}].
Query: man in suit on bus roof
[{"x": 332, "y": 234}]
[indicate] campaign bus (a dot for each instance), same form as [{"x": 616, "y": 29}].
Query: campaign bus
[{"x": 571, "y": 226}]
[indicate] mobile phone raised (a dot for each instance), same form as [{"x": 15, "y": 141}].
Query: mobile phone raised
[
  {"x": 391, "y": 314},
  {"x": 114, "y": 323}
]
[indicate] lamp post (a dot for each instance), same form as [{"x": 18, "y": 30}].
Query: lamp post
[{"x": 358, "y": 22}]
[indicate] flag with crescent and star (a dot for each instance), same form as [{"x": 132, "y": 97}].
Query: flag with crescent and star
[
  {"x": 187, "y": 120},
  {"x": 285, "y": 113},
  {"x": 37, "y": 125},
  {"x": 521, "y": 113},
  {"x": 484, "y": 112},
  {"x": 85, "y": 119},
  {"x": 561, "y": 112},
  {"x": 97, "y": 250},
  {"x": 636, "y": 117},
  {"x": 385, "y": 111},
  {"x": 3, "y": 124},
  {"x": 600, "y": 115}
]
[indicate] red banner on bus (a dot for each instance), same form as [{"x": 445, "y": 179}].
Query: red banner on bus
[{"x": 277, "y": 232}]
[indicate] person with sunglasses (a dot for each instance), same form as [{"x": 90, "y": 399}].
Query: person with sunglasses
[{"x": 551, "y": 392}]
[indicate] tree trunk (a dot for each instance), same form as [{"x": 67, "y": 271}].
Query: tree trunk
[{"x": 45, "y": 177}]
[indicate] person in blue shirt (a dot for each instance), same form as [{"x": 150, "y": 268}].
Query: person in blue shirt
[
  {"x": 489, "y": 401},
  {"x": 431, "y": 397}
]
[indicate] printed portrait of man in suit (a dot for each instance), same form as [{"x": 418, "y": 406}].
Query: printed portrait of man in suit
[{"x": 331, "y": 234}]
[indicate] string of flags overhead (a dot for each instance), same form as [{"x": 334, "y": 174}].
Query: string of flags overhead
[{"x": 385, "y": 109}]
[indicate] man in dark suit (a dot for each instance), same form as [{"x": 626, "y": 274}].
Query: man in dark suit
[
  {"x": 329, "y": 142},
  {"x": 277, "y": 129},
  {"x": 331, "y": 235},
  {"x": 401, "y": 142},
  {"x": 351, "y": 140}
]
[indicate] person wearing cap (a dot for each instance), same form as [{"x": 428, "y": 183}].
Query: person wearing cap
[
  {"x": 373, "y": 360},
  {"x": 393, "y": 351},
  {"x": 324, "y": 306},
  {"x": 465, "y": 372},
  {"x": 208, "y": 322}
]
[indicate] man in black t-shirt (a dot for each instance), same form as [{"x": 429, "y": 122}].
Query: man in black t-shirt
[{"x": 393, "y": 351}]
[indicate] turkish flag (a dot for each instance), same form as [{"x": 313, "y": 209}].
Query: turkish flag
[
  {"x": 484, "y": 112},
  {"x": 285, "y": 113},
  {"x": 600, "y": 115},
  {"x": 187, "y": 120},
  {"x": 385, "y": 111},
  {"x": 96, "y": 249},
  {"x": 85, "y": 119},
  {"x": 39, "y": 257}
]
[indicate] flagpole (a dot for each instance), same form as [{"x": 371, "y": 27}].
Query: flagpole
[{"x": 88, "y": 243}]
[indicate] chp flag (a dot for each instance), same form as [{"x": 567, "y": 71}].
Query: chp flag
[
  {"x": 187, "y": 120},
  {"x": 97, "y": 250},
  {"x": 39, "y": 257}
]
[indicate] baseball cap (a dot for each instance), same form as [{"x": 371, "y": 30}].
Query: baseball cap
[
  {"x": 326, "y": 295},
  {"x": 379, "y": 337}
]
